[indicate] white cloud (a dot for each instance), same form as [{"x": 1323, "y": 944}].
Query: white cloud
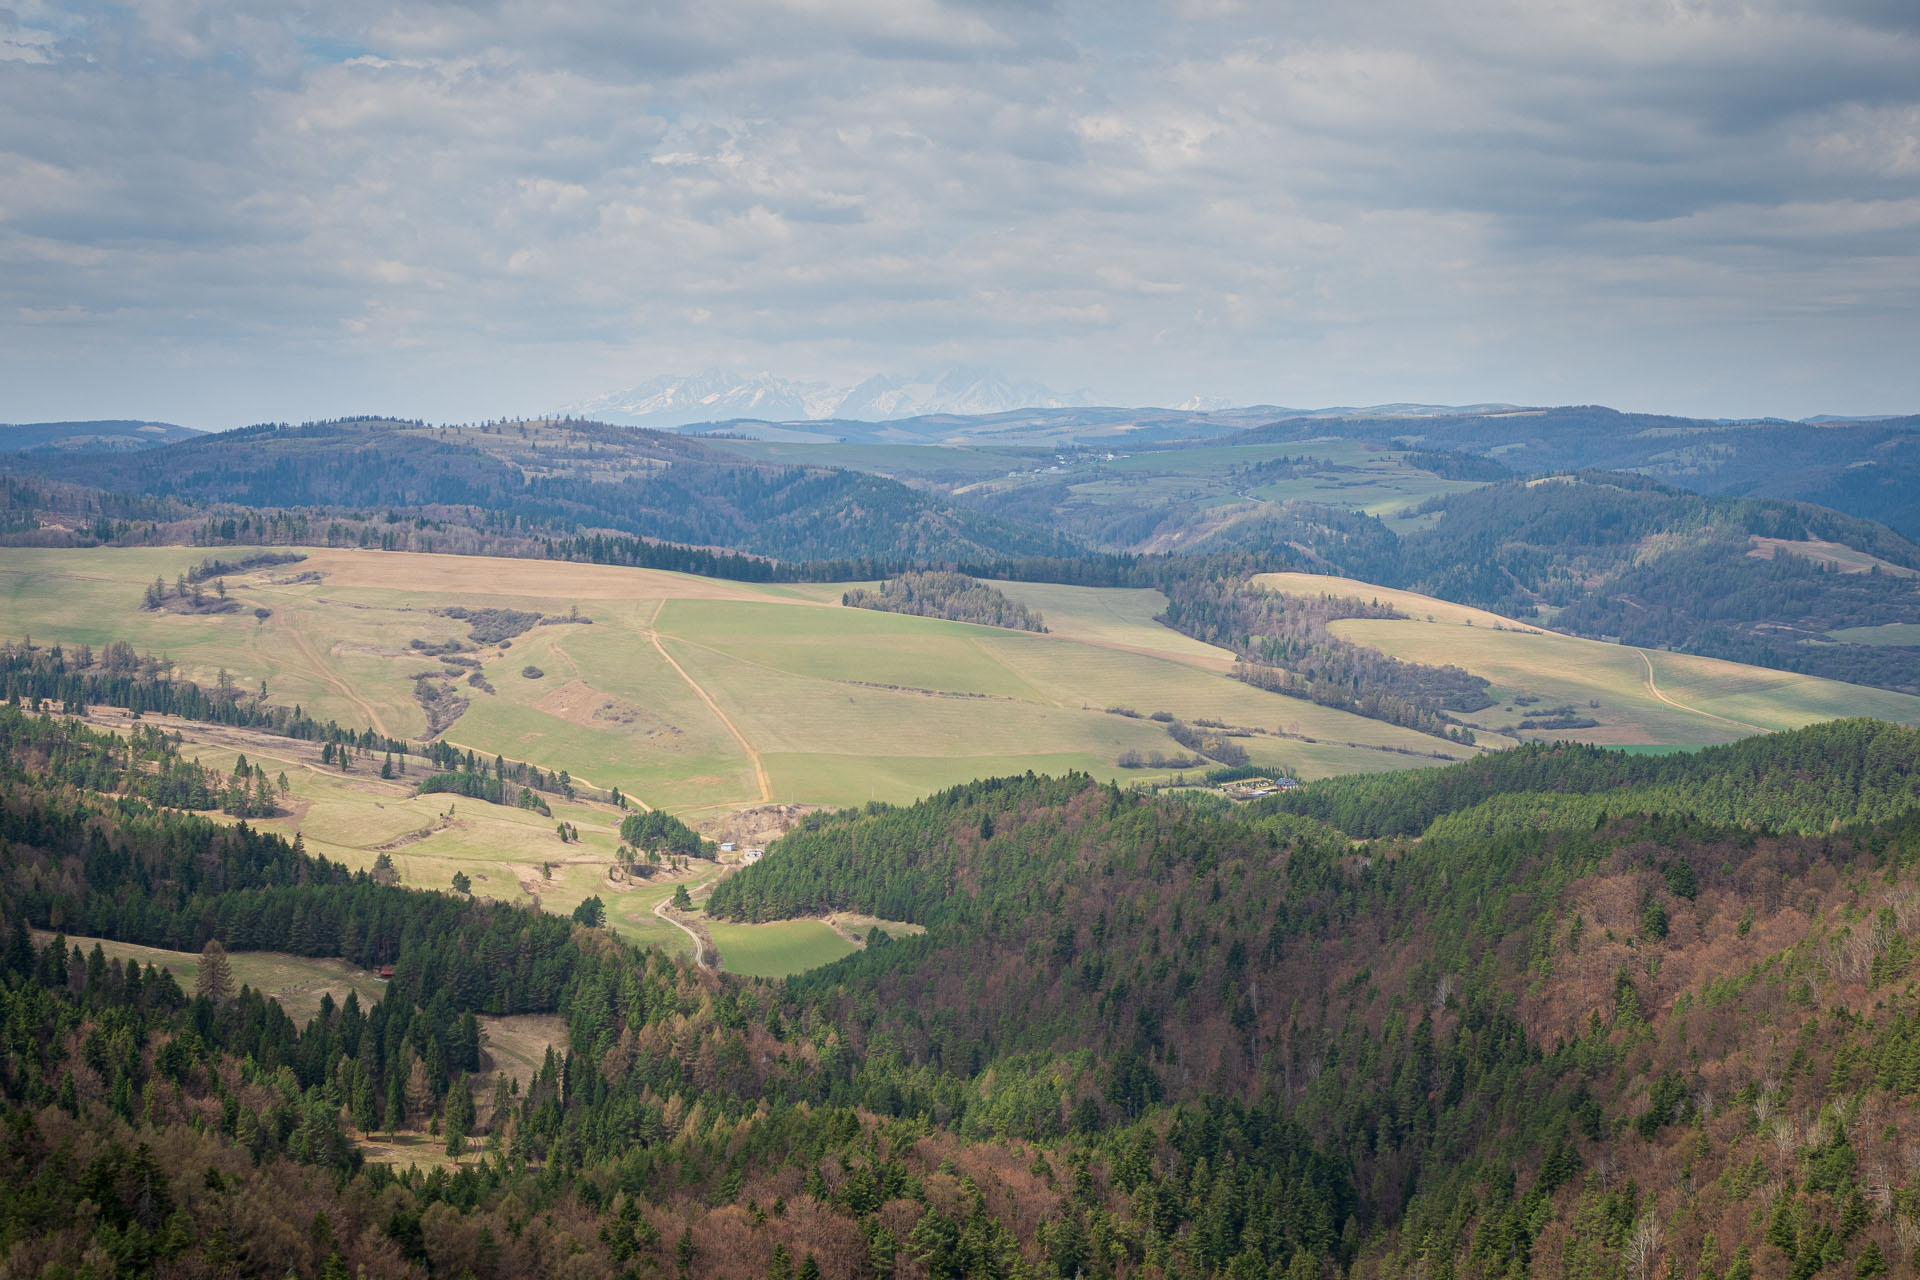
[{"x": 479, "y": 208}]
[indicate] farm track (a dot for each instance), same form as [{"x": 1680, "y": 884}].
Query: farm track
[
  {"x": 700, "y": 944},
  {"x": 759, "y": 766},
  {"x": 1654, "y": 689},
  {"x": 325, "y": 673}
]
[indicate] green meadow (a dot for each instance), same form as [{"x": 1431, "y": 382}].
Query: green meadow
[
  {"x": 720, "y": 701},
  {"x": 778, "y": 949}
]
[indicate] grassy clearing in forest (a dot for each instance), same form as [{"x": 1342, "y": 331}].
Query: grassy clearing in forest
[
  {"x": 516, "y": 1045},
  {"x": 778, "y": 949},
  {"x": 297, "y": 982}
]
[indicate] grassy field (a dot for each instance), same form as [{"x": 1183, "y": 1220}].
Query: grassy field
[
  {"x": 1901, "y": 633},
  {"x": 778, "y": 949},
  {"x": 706, "y": 697},
  {"x": 685, "y": 692},
  {"x": 732, "y": 704},
  {"x": 1642, "y": 696},
  {"x": 297, "y": 982}
]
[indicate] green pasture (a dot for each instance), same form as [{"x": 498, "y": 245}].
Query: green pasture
[
  {"x": 1705, "y": 700},
  {"x": 778, "y": 949},
  {"x": 843, "y": 644},
  {"x": 787, "y": 676},
  {"x": 1899, "y": 633},
  {"x": 297, "y": 982}
]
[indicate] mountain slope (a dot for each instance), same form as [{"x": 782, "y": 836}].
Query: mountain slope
[
  {"x": 1864, "y": 468},
  {"x": 1512, "y": 1053},
  {"x": 105, "y": 436},
  {"x": 1616, "y": 556},
  {"x": 1142, "y": 1037},
  {"x": 721, "y": 395},
  {"x": 560, "y": 477}
]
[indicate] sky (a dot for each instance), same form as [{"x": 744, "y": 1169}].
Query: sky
[{"x": 218, "y": 212}]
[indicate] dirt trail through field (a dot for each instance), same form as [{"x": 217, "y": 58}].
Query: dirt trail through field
[
  {"x": 699, "y": 940},
  {"x": 325, "y": 673},
  {"x": 1654, "y": 689},
  {"x": 759, "y": 766}
]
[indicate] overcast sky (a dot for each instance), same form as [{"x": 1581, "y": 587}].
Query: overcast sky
[{"x": 225, "y": 211}]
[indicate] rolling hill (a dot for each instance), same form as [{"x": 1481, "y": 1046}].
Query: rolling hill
[
  {"x": 106, "y": 436},
  {"x": 557, "y": 478},
  {"x": 1560, "y": 1011}
]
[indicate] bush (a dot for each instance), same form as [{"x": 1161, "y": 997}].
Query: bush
[{"x": 532, "y": 672}]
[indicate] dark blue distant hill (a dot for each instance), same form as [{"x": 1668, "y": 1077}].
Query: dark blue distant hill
[{"x": 108, "y": 436}]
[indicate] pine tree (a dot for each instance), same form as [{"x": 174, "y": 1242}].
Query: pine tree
[
  {"x": 215, "y": 981},
  {"x": 396, "y": 1102},
  {"x": 419, "y": 1094},
  {"x": 366, "y": 1115},
  {"x": 459, "y": 1118}
]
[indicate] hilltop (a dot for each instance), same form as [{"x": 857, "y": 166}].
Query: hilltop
[
  {"x": 557, "y": 478},
  {"x": 106, "y": 436}
]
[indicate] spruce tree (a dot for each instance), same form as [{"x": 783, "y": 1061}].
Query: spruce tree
[{"x": 215, "y": 980}]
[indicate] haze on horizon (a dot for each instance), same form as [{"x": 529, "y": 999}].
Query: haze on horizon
[{"x": 218, "y": 213}]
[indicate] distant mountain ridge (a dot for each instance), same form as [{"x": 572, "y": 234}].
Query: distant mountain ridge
[
  {"x": 104, "y": 436},
  {"x": 720, "y": 395}
]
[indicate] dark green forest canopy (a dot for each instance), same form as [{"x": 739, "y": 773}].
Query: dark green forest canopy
[
  {"x": 622, "y": 480},
  {"x": 1140, "y": 1037},
  {"x": 1805, "y": 780},
  {"x": 953, "y": 596}
]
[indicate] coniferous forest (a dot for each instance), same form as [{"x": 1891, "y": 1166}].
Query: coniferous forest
[
  {"x": 1558, "y": 1011},
  {"x": 959, "y": 640}
]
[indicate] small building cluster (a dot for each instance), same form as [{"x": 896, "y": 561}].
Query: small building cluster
[{"x": 1256, "y": 788}]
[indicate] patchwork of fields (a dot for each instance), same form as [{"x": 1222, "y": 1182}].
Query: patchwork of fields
[
  {"x": 738, "y": 705},
  {"x": 687, "y": 692}
]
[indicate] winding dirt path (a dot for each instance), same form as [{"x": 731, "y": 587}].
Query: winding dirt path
[
  {"x": 759, "y": 766},
  {"x": 326, "y": 674},
  {"x": 1654, "y": 689},
  {"x": 699, "y": 943}
]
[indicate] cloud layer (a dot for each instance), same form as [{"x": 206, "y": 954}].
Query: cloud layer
[{"x": 223, "y": 211}]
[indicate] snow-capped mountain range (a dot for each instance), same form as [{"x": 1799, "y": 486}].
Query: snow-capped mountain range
[{"x": 719, "y": 395}]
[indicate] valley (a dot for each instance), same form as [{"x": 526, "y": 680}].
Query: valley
[{"x": 1367, "y": 860}]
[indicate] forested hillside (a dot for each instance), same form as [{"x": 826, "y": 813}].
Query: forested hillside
[
  {"x": 1864, "y": 468},
  {"x": 554, "y": 479},
  {"x": 1615, "y": 556},
  {"x": 1284, "y": 645},
  {"x": 1622, "y": 557},
  {"x": 1140, "y": 1037}
]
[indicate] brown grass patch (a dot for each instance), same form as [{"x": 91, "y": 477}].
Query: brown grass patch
[
  {"x": 517, "y": 1044},
  {"x": 580, "y": 703},
  {"x": 1833, "y": 555}
]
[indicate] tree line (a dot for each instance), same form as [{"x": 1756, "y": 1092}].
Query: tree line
[{"x": 953, "y": 596}]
